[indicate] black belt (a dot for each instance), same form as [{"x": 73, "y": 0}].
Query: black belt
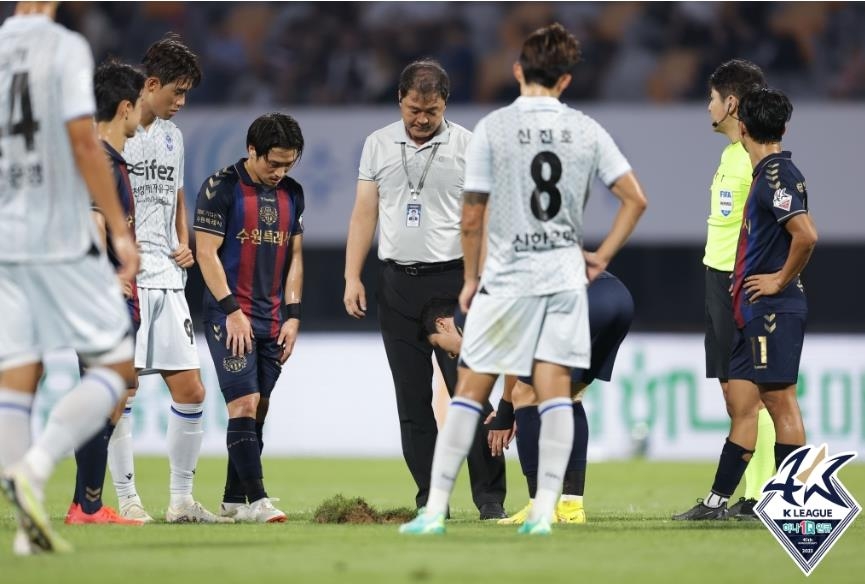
[
  {"x": 711, "y": 269},
  {"x": 422, "y": 269}
]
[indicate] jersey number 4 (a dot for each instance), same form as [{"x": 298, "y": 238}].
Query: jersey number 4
[
  {"x": 546, "y": 185},
  {"x": 19, "y": 102}
]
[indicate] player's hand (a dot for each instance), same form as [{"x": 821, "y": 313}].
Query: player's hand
[
  {"x": 355, "y": 298},
  {"x": 126, "y": 288},
  {"x": 498, "y": 440},
  {"x": 127, "y": 252},
  {"x": 595, "y": 265},
  {"x": 183, "y": 256},
  {"x": 762, "y": 285},
  {"x": 239, "y": 338},
  {"x": 287, "y": 337},
  {"x": 467, "y": 294}
]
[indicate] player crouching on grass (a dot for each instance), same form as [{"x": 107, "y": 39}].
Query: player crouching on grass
[{"x": 611, "y": 311}]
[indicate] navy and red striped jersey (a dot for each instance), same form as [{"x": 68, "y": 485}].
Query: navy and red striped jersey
[
  {"x": 257, "y": 224},
  {"x": 127, "y": 202},
  {"x": 777, "y": 193}
]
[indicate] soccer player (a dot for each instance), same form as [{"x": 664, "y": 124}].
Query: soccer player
[
  {"x": 729, "y": 189},
  {"x": 611, "y": 312},
  {"x": 249, "y": 237},
  {"x": 118, "y": 113},
  {"x": 775, "y": 243},
  {"x": 534, "y": 161},
  {"x": 165, "y": 342},
  {"x": 57, "y": 288}
]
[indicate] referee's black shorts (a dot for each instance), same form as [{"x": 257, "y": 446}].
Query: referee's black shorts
[{"x": 720, "y": 326}]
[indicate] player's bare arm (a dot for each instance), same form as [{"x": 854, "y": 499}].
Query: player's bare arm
[
  {"x": 293, "y": 295},
  {"x": 182, "y": 255},
  {"x": 499, "y": 440},
  {"x": 361, "y": 230},
  {"x": 238, "y": 329},
  {"x": 804, "y": 237},
  {"x": 93, "y": 166},
  {"x": 632, "y": 205},
  {"x": 471, "y": 237}
]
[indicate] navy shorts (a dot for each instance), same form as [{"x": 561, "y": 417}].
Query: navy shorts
[
  {"x": 768, "y": 349},
  {"x": 611, "y": 312},
  {"x": 254, "y": 372}
]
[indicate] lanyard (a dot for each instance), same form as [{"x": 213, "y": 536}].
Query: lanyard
[{"x": 415, "y": 192}]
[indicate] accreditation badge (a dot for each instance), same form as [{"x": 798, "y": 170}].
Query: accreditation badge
[{"x": 412, "y": 215}]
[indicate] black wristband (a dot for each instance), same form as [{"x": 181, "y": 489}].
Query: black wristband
[
  {"x": 504, "y": 419},
  {"x": 291, "y": 311},
  {"x": 229, "y": 304}
]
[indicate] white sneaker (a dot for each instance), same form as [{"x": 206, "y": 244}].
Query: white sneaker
[
  {"x": 33, "y": 520},
  {"x": 132, "y": 509},
  {"x": 231, "y": 509},
  {"x": 21, "y": 545},
  {"x": 193, "y": 513},
  {"x": 261, "y": 511}
]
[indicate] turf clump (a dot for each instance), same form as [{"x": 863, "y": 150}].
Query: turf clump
[{"x": 339, "y": 509}]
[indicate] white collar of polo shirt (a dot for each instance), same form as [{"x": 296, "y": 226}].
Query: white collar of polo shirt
[{"x": 443, "y": 136}]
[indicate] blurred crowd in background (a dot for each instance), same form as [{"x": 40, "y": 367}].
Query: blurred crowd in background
[{"x": 352, "y": 52}]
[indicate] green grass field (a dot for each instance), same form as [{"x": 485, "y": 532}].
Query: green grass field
[{"x": 629, "y": 537}]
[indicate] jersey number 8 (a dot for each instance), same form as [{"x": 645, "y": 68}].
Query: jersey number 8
[{"x": 547, "y": 186}]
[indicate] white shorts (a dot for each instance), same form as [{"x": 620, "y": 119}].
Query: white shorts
[
  {"x": 73, "y": 304},
  {"x": 165, "y": 341},
  {"x": 506, "y": 335}
]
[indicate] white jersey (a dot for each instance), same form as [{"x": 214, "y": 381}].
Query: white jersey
[
  {"x": 537, "y": 159},
  {"x": 155, "y": 160},
  {"x": 46, "y": 80}
]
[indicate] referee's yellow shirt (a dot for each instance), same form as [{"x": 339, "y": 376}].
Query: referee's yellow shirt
[{"x": 728, "y": 193}]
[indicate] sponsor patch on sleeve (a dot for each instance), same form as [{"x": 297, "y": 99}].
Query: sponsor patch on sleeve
[{"x": 782, "y": 199}]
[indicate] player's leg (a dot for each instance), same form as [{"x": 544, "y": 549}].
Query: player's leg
[
  {"x": 173, "y": 353},
  {"x": 564, "y": 343},
  {"x": 528, "y": 425},
  {"x": 265, "y": 369},
  {"x": 80, "y": 306},
  {"x": 452, "y": 447},
  {"x": 486, "y": 472},
  {"x": 121, "y": 463},
  {"x": 782, "y": 340}
]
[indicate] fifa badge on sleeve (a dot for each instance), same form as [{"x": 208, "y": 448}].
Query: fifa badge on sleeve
[{"x": 806, "y": 507}]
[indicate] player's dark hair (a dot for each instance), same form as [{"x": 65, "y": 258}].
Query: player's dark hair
[
  {"x": 548, "y": 53},
  {"x": 427, "y": 77},
  {"x": 275, "y": 130},
  {"x": 435, "y": 309},
  {"x": 113, "y": 83},
  {"x": 169, "y": 60},
  {"x": 736, "y": 77},
  {"x": 765, "y": 113}
]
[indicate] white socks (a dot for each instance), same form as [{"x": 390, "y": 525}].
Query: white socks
[
  {"x": 74, "y": 420},
  {"x": 714, "y": 500},
  {"x": 554, "y": 449},
  {"x": 15, "y": 436},
  {"x": 120, "y": 461},
  {"x": 452, "y": 447},
  {"x": 184, "y": 445}
]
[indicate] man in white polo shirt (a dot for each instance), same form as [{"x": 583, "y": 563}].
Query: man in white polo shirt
[{"x": 411, "y": 177}]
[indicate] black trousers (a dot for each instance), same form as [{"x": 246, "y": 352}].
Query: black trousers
[{"x": 401, "y": 299}]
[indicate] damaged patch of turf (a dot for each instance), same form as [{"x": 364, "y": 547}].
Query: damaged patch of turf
[{"x": 339, "y": 509}]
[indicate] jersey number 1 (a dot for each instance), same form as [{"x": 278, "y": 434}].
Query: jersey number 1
[
  {"x": 19, "y": 94},
  {"x": 542, "y": 185}
]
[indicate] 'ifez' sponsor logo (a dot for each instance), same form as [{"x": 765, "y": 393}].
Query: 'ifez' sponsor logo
[{"x": 806, "y": 507}]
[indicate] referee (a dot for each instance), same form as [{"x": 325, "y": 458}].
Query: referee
[{"x": 411, "y": 176}]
